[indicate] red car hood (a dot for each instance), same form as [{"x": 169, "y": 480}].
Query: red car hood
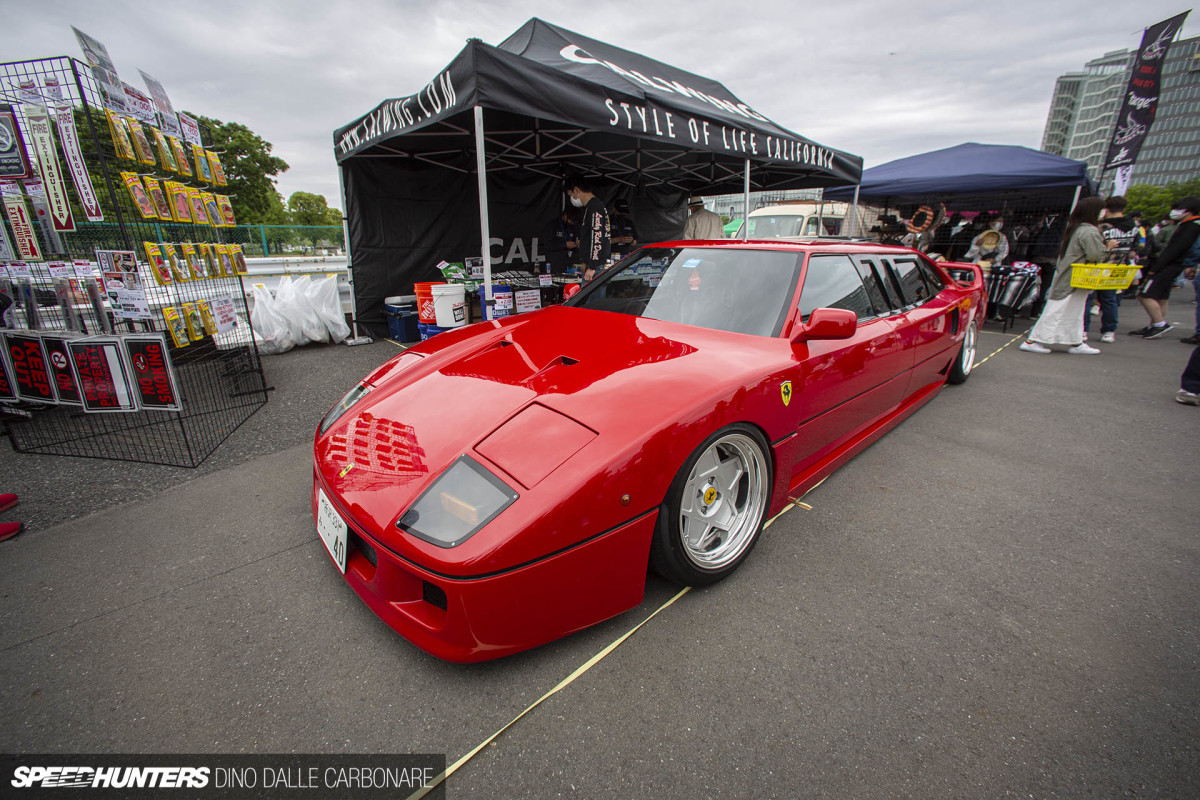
[{"x": 614, "y": 374}]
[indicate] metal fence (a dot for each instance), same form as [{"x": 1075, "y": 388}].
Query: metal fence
[{"x": 219, "y": 375}]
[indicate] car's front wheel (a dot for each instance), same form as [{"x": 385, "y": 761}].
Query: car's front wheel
[
  {"x": 966, "y": 356},
  {"x": 714, "y": 509}
]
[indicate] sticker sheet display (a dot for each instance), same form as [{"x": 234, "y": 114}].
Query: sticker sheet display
[
  {"x": 194, "y": 264},
  {"x": 218, "y": 173},
  {"x": 176, "y": 326},
  {"x": 199, "y": 215},
  {"x": 158, "y": 264},
  {"x": 141, "y": 144},
  {"x": 192, "y": 321},
  {"x": 181, "y": 157},
  {"x": 163, "y": 147},
  {"x": 181, "y": 204},
  {"x": 104, "y": 381},
  {"x": 119, "y": 131},
  {"x": 203, "y": 168},
  {"x": 225, "y": 210},
  {"x": 239, "y": 259},
  {"x": 211, "y": 211},
  {"x": 179, "y": 269},
  {"x": 159, "y": 198},
  {"x": 139, "y": 195}
]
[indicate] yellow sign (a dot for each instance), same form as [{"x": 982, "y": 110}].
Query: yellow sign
[{"x": 786, "y": 391}]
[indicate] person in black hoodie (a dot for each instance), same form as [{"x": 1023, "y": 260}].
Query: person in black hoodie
[
  {"x": 595, "y": 232},
  {"x": 1155, "y": 290},
  {"x": 1121, "y": 229}
]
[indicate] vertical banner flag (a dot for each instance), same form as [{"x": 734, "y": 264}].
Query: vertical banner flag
[
  {"x": 65, "y": 116},
  {"x": 166, "y": 111},
  {"x": 14, "y": 161},
  {"x": 190, "y": 129},
  {"x": 41, "y": 136},
  {"x": 96, "y": 55},
  {"x": 22, "y": 226},
  {"x": 1141, "y": 96}
]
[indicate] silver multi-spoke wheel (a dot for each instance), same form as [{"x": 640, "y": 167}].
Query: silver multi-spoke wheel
[
  {"x": 961, "y": 370},
  {"x": 723, "y": 501}
]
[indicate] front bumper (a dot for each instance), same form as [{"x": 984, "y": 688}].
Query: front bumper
[{"x": 489, "y": 616}]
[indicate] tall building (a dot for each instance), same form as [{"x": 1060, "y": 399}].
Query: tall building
[{"x": 1083, "y": 113}]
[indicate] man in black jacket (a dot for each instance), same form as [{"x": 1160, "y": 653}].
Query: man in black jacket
[
  {"x": 1161, "y": 274},
  {"x": 595, "y": 232}
]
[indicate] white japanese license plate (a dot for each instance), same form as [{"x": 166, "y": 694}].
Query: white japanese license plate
[{"x": 332, "y": 529}]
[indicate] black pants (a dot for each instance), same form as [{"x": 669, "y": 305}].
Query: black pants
[{"x": 1190, "y": 380}]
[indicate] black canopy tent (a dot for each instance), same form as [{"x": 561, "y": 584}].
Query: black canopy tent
[{"x": 543, "y": 103}]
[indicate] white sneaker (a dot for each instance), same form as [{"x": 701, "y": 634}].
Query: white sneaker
[
  {"x": 1083, "y": 350},
  {"x": 1034, "y": 347},
  {"x": 1108, "y": 337}
]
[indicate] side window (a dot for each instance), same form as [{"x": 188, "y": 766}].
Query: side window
[
  {"x": 810, "y": 227},
  {"x": 874, "y": 287},
  {"x": 885, "y": 280},
  {"x": 912, "y": 284},
  {"x": 833, "y": 282}
]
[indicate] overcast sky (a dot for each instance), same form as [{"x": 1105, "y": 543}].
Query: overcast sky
[{"x": 880, "y": 79}]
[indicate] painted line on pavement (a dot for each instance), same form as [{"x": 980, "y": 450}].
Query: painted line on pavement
[
  {"x": 1016, "y": 338},
  {"x": 593, "y": 661}
]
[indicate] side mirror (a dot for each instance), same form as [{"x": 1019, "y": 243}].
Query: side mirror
[{"x": 827, "y": 323}]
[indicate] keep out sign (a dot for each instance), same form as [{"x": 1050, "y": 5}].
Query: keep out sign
[
  {"x": 153, "y": 378},
  {"x": 31, "y": 371}
]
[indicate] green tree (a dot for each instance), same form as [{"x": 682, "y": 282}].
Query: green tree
[
  {"x": 1153, "y": 201},
  {"x": 311, "y": 209},
  {"x": 249, "y": 167}
]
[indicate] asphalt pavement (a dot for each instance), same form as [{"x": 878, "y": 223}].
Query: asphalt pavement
[{"x": 997, "y": 598}]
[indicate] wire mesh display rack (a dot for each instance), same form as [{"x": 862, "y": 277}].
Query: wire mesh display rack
[{"x": 218, "y": 376}]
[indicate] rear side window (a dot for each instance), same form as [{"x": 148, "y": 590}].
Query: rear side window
[
  {"x": 874, "y": 286},
  {"x": 886, "y": 282},
  {"x": 936, "y": 284},
  {"x": 833, "y": 282},
  {"x": 912, "y": 282}
]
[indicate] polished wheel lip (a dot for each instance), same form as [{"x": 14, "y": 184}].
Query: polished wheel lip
[
  {"x": 968, "y": 351},
  {"x": 714, "y": 535}
]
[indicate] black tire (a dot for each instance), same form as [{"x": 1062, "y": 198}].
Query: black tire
[
  {"x": 696, "y": 506},
  {"x": 964, "y": 364}
]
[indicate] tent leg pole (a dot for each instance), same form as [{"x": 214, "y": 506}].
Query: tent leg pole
[
  {"x": 356, "y": 337},
  {"x": 484, "y": 233},
  {"x": 746, "y": 203},
  {"x": 853, "y": 213},
  {"x": 1075, "y": 200}
]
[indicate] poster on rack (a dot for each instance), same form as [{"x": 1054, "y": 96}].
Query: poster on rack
[
  {"x": 1141, "y": 95},
  {"x": 52, "y": 89},
  {"x": 69, "y": 136},
  {"x": 166, "y": 112},
  {"x": 41, "y": 137},
  {"x": 189, "y": 128},
  {"x": 31, "y": 370},
  {"x": 123, "y": 284},
  {"x": 22, "y": 227},
  {"x": 6, "y": 248},
  {"x": 60, "y": 370},
  {"x": 104, "y": 384},
  {"x": 28, "y": 91},
  {"x": 139, "y": 104},
  {"x": 153, "y": 376},
  {"x": 14, "y": 161},
  {"x": 96, "y": 55}
]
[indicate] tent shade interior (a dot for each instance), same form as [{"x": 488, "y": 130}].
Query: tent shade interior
[{"x": 554, "y": 102}]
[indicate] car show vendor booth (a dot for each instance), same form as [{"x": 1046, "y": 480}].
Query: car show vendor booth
[{"x": 478, "y": 155}]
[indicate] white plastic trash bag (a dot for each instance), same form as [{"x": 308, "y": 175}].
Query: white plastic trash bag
[
  {"x": 271, "y": 330},
  {"x": 327, "y": 302},
  {"x": 291, "y": 311},
  {"x": 311, "y": 323}
]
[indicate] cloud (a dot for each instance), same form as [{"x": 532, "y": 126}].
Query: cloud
[{"x": 880, "y": 80}]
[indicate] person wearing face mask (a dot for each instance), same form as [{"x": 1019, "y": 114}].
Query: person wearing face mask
[
  {"x": 1155, "y": 289},
  {"x": 990, "y": 245},
  {"x": 595, "y": 232}
]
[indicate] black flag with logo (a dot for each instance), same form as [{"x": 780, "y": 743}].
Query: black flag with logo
[{"x": 1141, "y": 96}]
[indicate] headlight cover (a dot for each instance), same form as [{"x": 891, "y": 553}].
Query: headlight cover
[
  {"x": 462, "y": 500},
  {"x": 343, "y": 405}
]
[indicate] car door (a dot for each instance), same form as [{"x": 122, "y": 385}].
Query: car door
[
  {"x": 843, "y": 384},
  {"x": 928, "y": 320}
]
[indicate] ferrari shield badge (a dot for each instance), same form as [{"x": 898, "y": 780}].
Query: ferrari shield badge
[{"x": 786, "y": 391}]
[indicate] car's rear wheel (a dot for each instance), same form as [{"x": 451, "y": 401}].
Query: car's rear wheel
[
  {"x": 714, "y": 509},
  {"x": 966, "y": 356}
]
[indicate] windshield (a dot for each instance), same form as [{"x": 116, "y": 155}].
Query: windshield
[
  {"x": 782, "y": 226},
  {"x": 725, "y": 289}
]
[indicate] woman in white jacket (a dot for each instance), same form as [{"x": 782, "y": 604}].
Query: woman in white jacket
[{"x": 1061, "y": 321}]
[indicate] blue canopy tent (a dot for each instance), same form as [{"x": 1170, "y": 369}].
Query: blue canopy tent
[{"x": 969, "y": 169}]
